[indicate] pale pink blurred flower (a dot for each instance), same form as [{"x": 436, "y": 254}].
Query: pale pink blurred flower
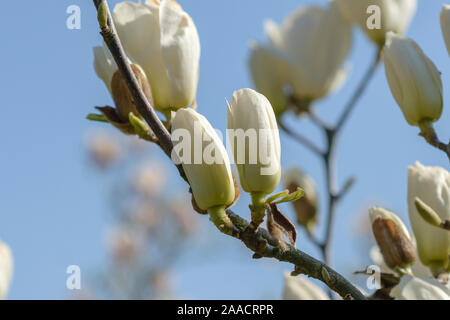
[
  {"x": 103, "y": 148},
  {"x": 149, "y": 179}
]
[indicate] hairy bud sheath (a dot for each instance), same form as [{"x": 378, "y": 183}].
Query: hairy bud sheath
[
  {"x": 305, "y": 207},
  {"x": 392, "y": 238},
  {"x": 122, "y": 96}
]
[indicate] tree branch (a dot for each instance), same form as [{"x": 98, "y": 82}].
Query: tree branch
[
  {"x": 301, "y": 139},
  {"x": 359, "y": 91},
  {"x": 259, "y": 242}
]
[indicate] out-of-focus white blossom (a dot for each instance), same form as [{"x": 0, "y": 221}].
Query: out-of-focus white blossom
[
  {"x": 268, "y": 72},
  {"x": 162, "y": 38},
  {"x": 394, "y": 15},
  {"x": 415, "y": 288},
  {"x": 445, "y": 25},
  {"x": 149, "y": 179},
  {"x": 102, "y": 148},
  {"x": 300, "y": 288},
  {"x": 6, "y": 269},
  {"x": 307, "y": 52}
]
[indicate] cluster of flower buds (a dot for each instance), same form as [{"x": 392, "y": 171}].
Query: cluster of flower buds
[
  {"x": 306, "y": 207},
  {"x": 428, "y": 206}
]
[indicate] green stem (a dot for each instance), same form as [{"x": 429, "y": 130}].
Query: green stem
[
  {"x": 427, "y": 131},
  {"x": 221, "y": 220},
  {"x": 258, "y": 209}
]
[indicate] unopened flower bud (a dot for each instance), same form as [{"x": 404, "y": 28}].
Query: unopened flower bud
[
  {"x": 432, "y": 186},
  {"x": 306, "y": 206},
  {"x": 210, "y": 179},
  {"x": 392, "y": 238},
  {"x": 255, "y": 141},
  {"x": 414, "y": 80}
]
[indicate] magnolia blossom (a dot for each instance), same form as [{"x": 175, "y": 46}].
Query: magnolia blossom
[
  {"x": 432, "y": 186},
  {"x": 268, "y": 75},
  {"x": 300, "y": 288},
  {"x": 204, "y": 159},
  {"x": 415, "y": 288},
  {"x": 392, "y": 15},
  {"x": 445, "y": 25},
  {"x": 258, "y": 157},
  {"x": 6, "y": 269},
  {"x": 306, "y": 52},
  {"x": 414, "y": 80},
  {"x": 163, "y": 39}
]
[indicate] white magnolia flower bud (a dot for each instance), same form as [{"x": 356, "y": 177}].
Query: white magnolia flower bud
[
  {"x": 414, "y": 80},
  {"x": 445, "y": 25},
  {"x": 415, "y": 288},
  {"x": 300, "y": 288},
  {"x": 204, "y": 159},
  {"x": 432, "y": 186},
  {"x": 255, "y": 141},
  {"x": 6, "y": 269},
  {"x": 163, "y": 39},
  {"x": 392, "y": 238},
  {"x": 267, "y": 73},
  {"x": 313, "y": 42},
  {"x": 377, "y": 17}
]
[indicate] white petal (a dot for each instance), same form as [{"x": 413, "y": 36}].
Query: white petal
[
  {"x": 300, "y": 288},
  {"x": 104, "y": 65},
  {"x": 415, "y": 288}
]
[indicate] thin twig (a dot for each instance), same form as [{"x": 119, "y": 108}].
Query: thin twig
[
  {"x": 260, "y": 242},
  {"x": 297, "y": 136},
  {"x": 359, "y": 91},
  {"x": 434, "y": 141}
]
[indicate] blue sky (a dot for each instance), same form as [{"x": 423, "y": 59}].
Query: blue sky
[{"x": 52, "y": 206}]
